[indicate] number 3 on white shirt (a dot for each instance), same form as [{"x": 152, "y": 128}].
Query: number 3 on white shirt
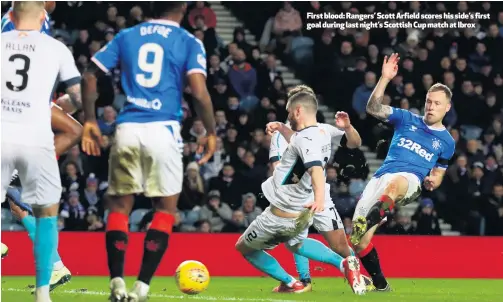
[{"x": 154, "y": 68}]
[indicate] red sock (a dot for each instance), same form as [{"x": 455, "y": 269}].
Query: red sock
[
  {"x": 162, "y": 222},
  {"x": 117, "y": 222},
  {"x": 116, "y": 242},
  {"x": 156, "y": 243},
  {"x": 386, "y": 200},
  {"x": 366, "y": 250}
]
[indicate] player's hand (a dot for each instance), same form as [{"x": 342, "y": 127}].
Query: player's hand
[
  {"x": 272, "y": 127},
  {"x": 91, "y": 138},
  {"x": 315, "y": 207},
  {"x": 390, "y": 66},
  {"x": 431, "y": 183},
  {"x": 211, "y": 147},
  {"x": 342, "y": 120}
]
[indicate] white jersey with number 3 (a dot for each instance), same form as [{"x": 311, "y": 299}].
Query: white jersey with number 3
[
  {"x": 290, "y": 187},
  {"x": 32, "y": 65}
]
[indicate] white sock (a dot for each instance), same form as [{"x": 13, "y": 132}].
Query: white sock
[
  {"x": 341, "y": 267},
  {"x": 292, "y": 282},
  {"x": 58, "y": 265},
  {"x": 42, "y": 294}
]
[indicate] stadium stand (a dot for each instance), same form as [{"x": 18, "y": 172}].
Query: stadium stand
[{"x": 253, "y": 60}]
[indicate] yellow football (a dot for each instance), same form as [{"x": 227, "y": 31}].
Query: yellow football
[{"x": 192, "y": 277}]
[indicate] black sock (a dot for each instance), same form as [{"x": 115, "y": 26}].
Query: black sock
[
  {"x": 116, "y": 250},
  {"x": 156, "y": 243},
  {"x": 371, "y": 264}
]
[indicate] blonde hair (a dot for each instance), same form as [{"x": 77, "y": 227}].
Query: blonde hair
[
  {"x": 304, "y": 96},
  {"x": 298, "y": 89},
  {"x": 443, "y": 88},
  {"x": 197, "y": 183},
  {"x": 27, "y": 8}
]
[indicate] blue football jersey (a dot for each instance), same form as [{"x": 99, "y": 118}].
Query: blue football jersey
[
  {"x": 154, "y": 57},
  {"x": 415, "y": 147},
  {"x": 7, "y": 24}
]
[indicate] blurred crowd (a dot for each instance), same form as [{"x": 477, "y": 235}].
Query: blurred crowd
[{"x": 248, "y": 90}]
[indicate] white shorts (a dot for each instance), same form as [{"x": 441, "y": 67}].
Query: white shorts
[
  {"x": 269, "y": 230},
  {"x": 38, "y": 172},
  {"x": 328, "y": 220},
  {"x": 376, "y": 187},
  {"x": 146, "y": 158}
]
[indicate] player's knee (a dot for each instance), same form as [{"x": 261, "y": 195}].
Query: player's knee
[
  {"x": 293, "y": 247},
  {"x": 241, "y": 247},
  {"x": 120, "y": 204},
  {"x": 397, "y": 187},
  {"x": 391, "y": 188},
  {"x": 50, "y": 210},
  {"x": 337, "y": 241}
]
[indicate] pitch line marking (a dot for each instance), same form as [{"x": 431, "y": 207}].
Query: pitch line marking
[{"x": 182, "y": 297}]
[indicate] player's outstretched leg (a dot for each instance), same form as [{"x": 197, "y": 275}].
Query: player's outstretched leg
[
  {"x": 60, "y": 273},
  {"x": 45, "y": 245},
  {"x": 262, "y": 234},
  {"x": 378, "y": 212},
  {"x": 116, "y": 244},
  {"x": 155, "y": 245},
  {"x": 370, "y": 261},
  {"x": 266, "y": 263},
  {"x": 371, "y": 209},
  {"x": 316, "y": 250},
  {"x": 302, "y": 265},
  {"x": 364, "y": 227}
]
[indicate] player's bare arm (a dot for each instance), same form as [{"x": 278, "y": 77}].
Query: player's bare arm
[
  {"x": 283, "y": 129},
  {"x": 204, "y": 109},
  {"x": 91, "y": 136},
  {"x": 435, "y": 178},
  {"x": 343, "y": 122},
  {"x": 69, "y": 131},
  {"x": 318, "y": 179},
  {"x": 89, "y": 95},
  {"x": 389, "y": 71},
  {"x": 72, "y": 100}
]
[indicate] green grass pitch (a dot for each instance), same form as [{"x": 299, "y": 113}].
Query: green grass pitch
[{"x": 90, "y": 289}]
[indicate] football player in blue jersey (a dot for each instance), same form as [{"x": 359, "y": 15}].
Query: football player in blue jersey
[
  {"x": 8, "y": 25},
  {"x": 419, "y": 153},
  {"x": 146, "y": 157}
]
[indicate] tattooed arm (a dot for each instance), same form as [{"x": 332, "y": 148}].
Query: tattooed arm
[
  {"x": 72, "y": 100},
  {"x": 374, "y": 105}
]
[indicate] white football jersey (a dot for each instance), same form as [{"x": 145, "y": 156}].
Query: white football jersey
[
  {"x": 279, "y": 144},
  {"x": 32, "y": 65},
  {"x": 290, "y": 187}
]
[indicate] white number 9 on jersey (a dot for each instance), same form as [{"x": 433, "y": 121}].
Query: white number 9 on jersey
[{"x": 154, "y": 68}]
